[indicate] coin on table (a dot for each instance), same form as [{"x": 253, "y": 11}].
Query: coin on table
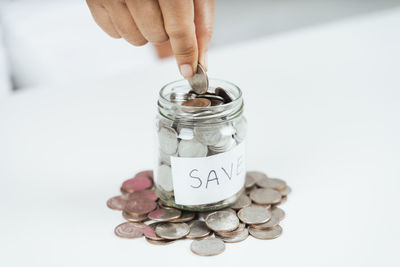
[
  {"x": 273, "y": 183},
  {"x": 249, "y": 182},
  {"x": 137, "y": 183},
  {"x": 148, "y": 173},
  {"x": 265, "y": 234},
  {"x": 116, "y": 203},
  {"x": 198, "y": 229},
  {"x": 236, "y": 238},
  {"x": 222, "y": 221},
  {"x": 172, "y": 230},
  {"x": 203, "y": 215},
  {"x": 150, "y": 232},
  {"x": 265, "y": 196},
  {"x": 150, "y": 194},
  {"x": 254, "y": 214},
  {"x": 274, "y": 221},
  {"x": 168, "y": 140},
  {"x": 278, "y": 212},
  {"x": 235, "y": 232},
  {"x": 134, "y": 217},
  {"x": 208, "y": 247},
  {"x": 139, "y": 206},
  {"x": 243, "y": 201},
  {"x": 286, "y": 191},
  {"x": 130, "y": 230},
  {"x": 192, "y": 149},
  {"x": 199, "y": 81},
  {"x": 256, "y": 175},
  {"x": 185, "y": 217},
  {"x": 159, "y": 242},
  {"x": 163, "y": 215},
  {"x": 197, "y": 102}
]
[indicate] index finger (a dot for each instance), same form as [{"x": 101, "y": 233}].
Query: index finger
[{"x": 178, "y": 18}]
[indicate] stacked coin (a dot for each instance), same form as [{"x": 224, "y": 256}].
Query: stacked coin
[
  {"x": 255, "y": 213},
  {"x": 195, "y": 140}
]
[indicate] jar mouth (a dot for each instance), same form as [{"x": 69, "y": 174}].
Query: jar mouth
[{"x": 237, "y": 99}]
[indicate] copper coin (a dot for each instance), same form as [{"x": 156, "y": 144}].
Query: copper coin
[
  {"x": 164, "y": 215},
  {"x": 116, "y": 203},
  {"x": 243, "y": 201},
  {"x": 222, "y": 93},
  {"x": 130, "y": 230},
  {"x": 185, "y": 217},
  {"x": 159, "y": 242},
  {"x": 150, "y": 232},
  {"x": 148, "y": 173},
  {"x": 198, "y": 229},
  {"x": 208, "y": 247},
  {"x": 139, "y": 206},
  {"x": 266, "y": 234},
  {"x": 265, "y": 196},
  {"x": 150, "y": 194},
  {"x": 133, "y": 217},
  {"x": 137, "y": 183},
  {"x": 172, "y": 230},
  {"x": 273, "y": 183},
  {"x": 197, "y": 102}
]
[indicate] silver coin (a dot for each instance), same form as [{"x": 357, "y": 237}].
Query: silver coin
[
  {"x": 265, "y": 196},
  {"x": 160, "y": 242},
  {"x": 211, "y": 97},
  {"x": 207, "y": 136},
  {"x": 164, "y": 158},
  {"x": 241, "y": 129},
  {"x": 185, "y": 217},
  {"x": 236, "y": 238},
  {"x": 150, "y": 232},
  {"x": 286, "y": 191},
  {"x": 243, "y": 201},
  {"x": 208, "y": 247},
  {"x": 238, "y": 230},
  {"x": 185, "y": 133},
  {"x": 199, "y": 81},
  {"x": 225, "y": 144},
  {"x": 164, "y": 215},
  {"x": 254, "y": 214},
  {"x": 256, "y": 175},
  {"x": 168, "y": 140},
  {"x": 202, "y": 216},
  {"x": 164, "y": 178},
  {"x": 265, "y": 234},
  {"x": 198, "y": 229},
  {"x": 172, "y": 230},
  {"x": 278, "y": 212},
  {"x": 230, "y": 210},
  {"x": 222, "y": 221},
  {"x": 273, "y": 183},
  {"x": 250, "y": 181},
  {"x": 192, "y": 149},
  {"x": 274, "y": 221}
]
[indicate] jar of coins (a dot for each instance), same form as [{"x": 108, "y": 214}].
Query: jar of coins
[{"x": 200, "y": 144}]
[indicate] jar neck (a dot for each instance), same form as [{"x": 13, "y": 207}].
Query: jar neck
[{"x": 213, "y": 114}]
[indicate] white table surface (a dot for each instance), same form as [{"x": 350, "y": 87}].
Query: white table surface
[{"x": 323, "y": 106}]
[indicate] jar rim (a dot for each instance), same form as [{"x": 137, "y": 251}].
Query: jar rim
[{"x": 234, "y": 102}]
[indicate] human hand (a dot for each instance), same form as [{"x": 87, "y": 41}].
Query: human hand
[{"x": 186, "y": 24}]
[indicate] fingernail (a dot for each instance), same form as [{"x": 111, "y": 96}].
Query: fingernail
[{"x": 186, "y": 70}]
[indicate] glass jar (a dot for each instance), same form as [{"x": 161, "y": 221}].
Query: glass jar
[{"x": 200, "y": 161}]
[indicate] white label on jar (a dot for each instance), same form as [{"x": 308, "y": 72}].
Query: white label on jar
[{"x": 208, "y": 179}]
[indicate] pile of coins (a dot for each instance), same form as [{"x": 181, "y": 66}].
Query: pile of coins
[{"x": 255, "y": 213}]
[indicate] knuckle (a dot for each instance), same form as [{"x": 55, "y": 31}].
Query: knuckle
[
  {"x": 179, "y": 31},
  {"x": 186, "y": 52}
]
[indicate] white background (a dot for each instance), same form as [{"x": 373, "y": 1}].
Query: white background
[{"x": 323, "y": 112}]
